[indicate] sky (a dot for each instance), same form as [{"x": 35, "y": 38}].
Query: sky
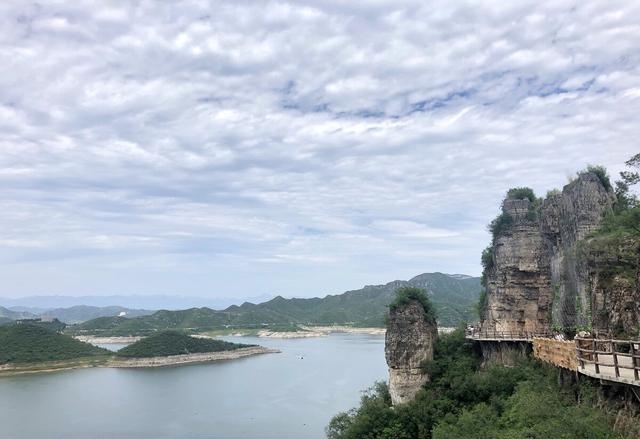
[{"x": 245, "y": 148}]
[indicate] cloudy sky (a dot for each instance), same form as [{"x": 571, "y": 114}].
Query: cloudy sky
[{"x": 238, "y": 148}]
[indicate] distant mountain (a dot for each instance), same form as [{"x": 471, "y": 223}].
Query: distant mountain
[
  {"x": 453, "y": 296},
  {"x": 153, "y": 301},
  {"x": 82, "y": 313},
  {"x": 15, "y": 315},
  {"x": 74, "y": 314}
]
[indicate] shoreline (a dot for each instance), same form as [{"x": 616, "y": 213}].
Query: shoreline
[
  {"x": 149, "y": 362},
  {"x": 323, "y": 331},
  {"x": 304, "y": 332},
  {"x": 96, "y": 339},
  {"x": 50, "y": 366},
  {"x": 320, "y": 331},
  {"x": 176, "y": 360}
]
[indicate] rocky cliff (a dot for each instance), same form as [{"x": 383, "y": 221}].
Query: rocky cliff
[
  {"x": 538, "y": 275},
  {"x": 409, "y": 342},
  {"x": 567, "y": 219},
  {"x": 518, "y": 281}
]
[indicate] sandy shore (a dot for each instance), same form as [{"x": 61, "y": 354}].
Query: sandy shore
[
  {"x": 94, "y": 339},
  {"x": 50, "y": 366},
  {"x": 320, "y": 331},
  {"x": 175, "y": 360},
  {"x": 305, "y": 332}
]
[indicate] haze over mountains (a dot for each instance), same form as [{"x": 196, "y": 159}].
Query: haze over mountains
[{"x": 39, "y": 304}]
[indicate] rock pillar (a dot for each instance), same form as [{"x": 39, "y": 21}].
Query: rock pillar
[{"x": 408, "y": 343}]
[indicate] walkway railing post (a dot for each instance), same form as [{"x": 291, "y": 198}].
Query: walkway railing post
[
  {"x": 580, "y": 354},
  {"x": 634, "y": 361},
  {"x": 595, "y": 356}
]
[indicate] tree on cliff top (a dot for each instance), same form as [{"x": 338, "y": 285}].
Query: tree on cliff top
[
  {"x": 626, "y": 199},
  {"x": 504, "y": 221},
  {"x": 521, "y": 193},
  {"x": 406, "y": 294},
  {"x": 600, "y": 172}
]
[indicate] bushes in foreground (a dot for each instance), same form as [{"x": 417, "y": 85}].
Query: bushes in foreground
[{"x": 463, "y": 401}]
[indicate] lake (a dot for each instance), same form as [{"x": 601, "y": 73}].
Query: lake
[{"x": 293, "y": 394}]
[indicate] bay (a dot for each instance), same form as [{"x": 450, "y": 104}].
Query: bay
[{"x": 292, "y": 394}]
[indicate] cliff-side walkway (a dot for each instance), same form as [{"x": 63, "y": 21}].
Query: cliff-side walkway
[
  {"x": 609, "y": 360},
  {"x": 494, "y": 335}
]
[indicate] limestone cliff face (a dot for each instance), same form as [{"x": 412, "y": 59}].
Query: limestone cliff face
[
  {"x": 537, "y": 279},
  {"x": 614, "y": 285},
  {"x": 567, "y": 219},
  {"x": 408, "y": 342},
  {"x": 519, "y": 283}
]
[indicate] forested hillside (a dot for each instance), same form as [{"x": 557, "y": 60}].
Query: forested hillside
[
  {"x": 175, "y": 343},
  {"x": 26, "y": 343},
  {"x": 454, "y": 297}
]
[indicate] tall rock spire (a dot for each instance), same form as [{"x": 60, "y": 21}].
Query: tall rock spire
[{"x": 409, "y": 341}]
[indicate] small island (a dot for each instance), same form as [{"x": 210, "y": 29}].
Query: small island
[
  {"x": 30, "y": 348},
  {"x": 168, "y": 348}
]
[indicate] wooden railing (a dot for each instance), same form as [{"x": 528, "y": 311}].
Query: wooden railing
[
  {"x": 493, "y": 334},
  {"x": 617, "y": 358}
]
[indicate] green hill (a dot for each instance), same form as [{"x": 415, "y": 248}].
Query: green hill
[
  {"x": 6, "y": 313},
  {"x": 25, "y": 343},
  {"x": 454, "y": 297},
  {"x": 175, "y": 343}
]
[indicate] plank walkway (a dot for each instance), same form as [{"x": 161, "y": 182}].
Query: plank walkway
[{"x": 608, "y": 360}]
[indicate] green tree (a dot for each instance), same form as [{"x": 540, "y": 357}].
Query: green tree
[{"x": 405, "y": 294}]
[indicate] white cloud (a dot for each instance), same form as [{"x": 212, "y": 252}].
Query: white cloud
[{"x": 368, "y": 140}]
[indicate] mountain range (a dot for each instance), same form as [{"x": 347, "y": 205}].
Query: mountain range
[
  {"x": 454, "y": 297},
  {"x": 70, "y": 315}
]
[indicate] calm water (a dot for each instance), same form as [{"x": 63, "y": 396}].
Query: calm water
[{"x": 279, "y": 396}]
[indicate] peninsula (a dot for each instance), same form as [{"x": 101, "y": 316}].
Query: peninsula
[{"x": 27, "y": 348}]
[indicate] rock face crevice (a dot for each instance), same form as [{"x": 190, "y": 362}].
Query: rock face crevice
[{"x": 409, "y": 341}]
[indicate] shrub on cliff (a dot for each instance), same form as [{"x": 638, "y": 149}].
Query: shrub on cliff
[
  {"x": 601, "y": 173},
  {"x": 487, "y": 258},
  {"x": 500, "y": 224},
  {"x": 521, "y": 193},
  {"x": 405, "y": 294}
]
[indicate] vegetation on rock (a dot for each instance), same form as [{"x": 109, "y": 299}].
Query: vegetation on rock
[
  {"x": 406, "y": 294},
  {"x": 168, "y": 343},
  {"x": 601, "y": 173},
  {"x": 521, "y": 193},
  {"x": 500, "y": 224},
  {"x": 613, "y": 255}
]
